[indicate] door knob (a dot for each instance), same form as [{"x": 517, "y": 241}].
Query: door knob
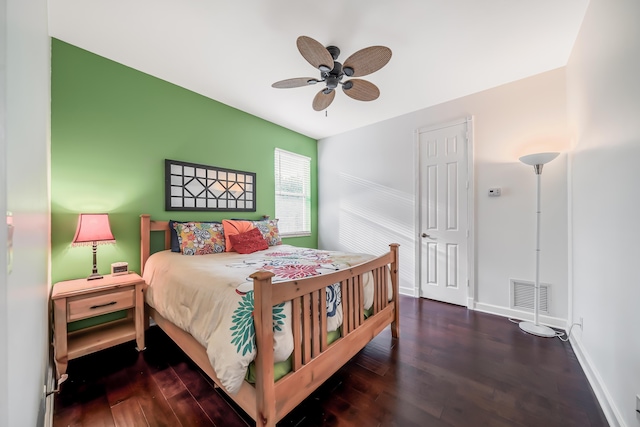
[{"x": 425, "y": 235}]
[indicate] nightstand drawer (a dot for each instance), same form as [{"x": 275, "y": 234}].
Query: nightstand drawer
[{"x": 83, "y": 307}]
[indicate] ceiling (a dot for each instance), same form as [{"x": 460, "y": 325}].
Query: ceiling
[{"x": 232, "y": 51}]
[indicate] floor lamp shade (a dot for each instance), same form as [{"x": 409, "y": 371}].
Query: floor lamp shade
[
  {"x": 93, "y": 229},
  {"x": 534, "y": 328},
  {"x": 538, "y": 158}
]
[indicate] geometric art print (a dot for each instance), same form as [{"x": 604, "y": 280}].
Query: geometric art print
[{"x": 194, "y": 187}]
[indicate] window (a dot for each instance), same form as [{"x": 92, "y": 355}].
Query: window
[{"x": 293, "y": 193}]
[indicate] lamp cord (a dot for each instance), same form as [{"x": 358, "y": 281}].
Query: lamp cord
[{"x": 561, "y": 334}]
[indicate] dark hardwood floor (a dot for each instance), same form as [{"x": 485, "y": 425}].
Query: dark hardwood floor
[{"x": 450, "y": 367}]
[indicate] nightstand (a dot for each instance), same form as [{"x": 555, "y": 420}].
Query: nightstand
[{"x": 82, "y": 299}]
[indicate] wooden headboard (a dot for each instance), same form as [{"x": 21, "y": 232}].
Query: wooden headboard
[{"x": 146, "y": 227}]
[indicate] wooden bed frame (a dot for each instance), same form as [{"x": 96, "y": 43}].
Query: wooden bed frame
[{"x": 313, "y": 360}]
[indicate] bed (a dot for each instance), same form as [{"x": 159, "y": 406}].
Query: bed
[{"x": 369, "y": 303}]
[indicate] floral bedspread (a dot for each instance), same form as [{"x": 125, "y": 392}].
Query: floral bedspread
[{"x": 211, "y": 297}]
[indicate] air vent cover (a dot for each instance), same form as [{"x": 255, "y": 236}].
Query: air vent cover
[{"x": 522, "y": 296}]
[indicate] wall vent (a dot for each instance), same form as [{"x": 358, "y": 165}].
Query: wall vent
[{"x": 522, "y": 296}]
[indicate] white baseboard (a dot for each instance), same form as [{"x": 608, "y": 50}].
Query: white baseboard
[
  {"x": 600, "y": 390},
  {"x": 50, "y": 382},
  {"x": 407, "y": 291},
  {"x": 554, "y": 322}
]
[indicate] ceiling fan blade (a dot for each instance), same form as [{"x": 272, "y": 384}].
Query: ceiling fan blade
[
  {"x": 296, "y": 82},
  {"x": 361, "y": 90},
  {"x": 367, "y": 61},
  {"x": 322, "y": 100},
  {"x": 316, "y": 54}
]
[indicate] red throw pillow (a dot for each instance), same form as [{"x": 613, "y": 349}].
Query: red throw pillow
[
  {"x": 234, "y": 227},
  {"x": 248, "y": 242}
]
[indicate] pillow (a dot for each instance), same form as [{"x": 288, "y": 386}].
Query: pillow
[
  {"x": 200, "y": 238},
  {"x": 269, "y": 230},
  {"x": 175, "y": 243},
  {"x": 232, "y": 227},
  {"x": 248, "y": 242}
]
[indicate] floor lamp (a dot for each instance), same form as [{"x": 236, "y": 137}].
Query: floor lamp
[{"x": 534, "y": 328}]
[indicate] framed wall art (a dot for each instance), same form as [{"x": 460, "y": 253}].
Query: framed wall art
[{"x": 194, "y": 187}]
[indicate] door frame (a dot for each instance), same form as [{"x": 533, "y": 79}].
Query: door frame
[{"x": 471, "y": 264}]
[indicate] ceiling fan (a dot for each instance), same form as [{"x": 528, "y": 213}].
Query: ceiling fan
[{"x": 361, "y": 63}]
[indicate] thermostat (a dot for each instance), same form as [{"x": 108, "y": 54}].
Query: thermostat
[
  {"x": 494, "y": 192},
  {"x": 118, "y": 268}
]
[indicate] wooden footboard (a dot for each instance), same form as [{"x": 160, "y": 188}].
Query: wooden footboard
[{"x": 313, "y": 359}]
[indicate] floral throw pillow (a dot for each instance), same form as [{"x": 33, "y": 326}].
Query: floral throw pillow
[
  {"x": 200, "y": 238},
  {"x": 248, "y": 242},
  {"x": 269, "y": 230}
]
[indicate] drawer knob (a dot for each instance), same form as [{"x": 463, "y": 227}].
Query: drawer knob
[{"x": 93, "y": 307}]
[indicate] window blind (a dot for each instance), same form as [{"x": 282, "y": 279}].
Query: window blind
[{"x": 293, "y": 193}]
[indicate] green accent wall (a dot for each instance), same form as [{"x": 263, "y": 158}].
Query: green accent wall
[{"x": 112, "y": 127}]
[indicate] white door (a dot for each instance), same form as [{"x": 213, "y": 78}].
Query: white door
[{"x": 443, "y": 216}]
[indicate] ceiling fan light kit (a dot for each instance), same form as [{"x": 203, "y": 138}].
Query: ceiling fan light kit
[{"x": 332, "y": 72}]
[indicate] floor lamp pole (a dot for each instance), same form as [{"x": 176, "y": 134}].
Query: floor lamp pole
[
  {"x": 535, "y": 328},
  {"x": 536, "y": 296}
]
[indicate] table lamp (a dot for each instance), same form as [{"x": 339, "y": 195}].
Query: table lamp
[{"x": 93, "y": 229}]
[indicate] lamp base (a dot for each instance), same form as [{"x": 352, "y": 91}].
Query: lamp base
[
  {"x": 95, "y": 276},
  {"x": 539, "y": 330}
]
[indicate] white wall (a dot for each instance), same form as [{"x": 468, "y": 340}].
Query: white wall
[
  {"x": 4, "y": 329},
  {"x": 367, "y": 178},
  {"x": 25, "y": 192},
  {"x": 603, "y": 80}
]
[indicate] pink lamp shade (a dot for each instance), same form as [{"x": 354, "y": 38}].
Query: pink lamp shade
[{"x": 93, "y": 228}]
